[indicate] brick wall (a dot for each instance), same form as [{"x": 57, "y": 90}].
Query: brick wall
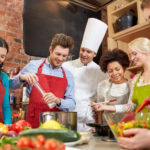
[{"x": 11, "y": 29}]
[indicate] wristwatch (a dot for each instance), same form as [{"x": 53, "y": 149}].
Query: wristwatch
[{"x": 60, "y": 102}]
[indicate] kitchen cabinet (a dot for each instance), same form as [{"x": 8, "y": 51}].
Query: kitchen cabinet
[{"x": 120, "y": 38}]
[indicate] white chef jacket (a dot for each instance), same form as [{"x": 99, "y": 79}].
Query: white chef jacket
[{"x": 86, "y": 81}]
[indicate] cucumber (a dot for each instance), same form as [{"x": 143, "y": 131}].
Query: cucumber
[{"x": 63, "y": 135}]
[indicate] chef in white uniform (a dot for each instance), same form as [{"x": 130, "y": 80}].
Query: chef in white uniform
[{"x": 87, "y": 74}]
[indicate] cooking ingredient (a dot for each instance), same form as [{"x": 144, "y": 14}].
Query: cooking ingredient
[
  {"x": 112, "y": 100},
  {"x": 121, "y": 126},
  {"x": 51, "y": 144},
  {"x": 3, "y": 128},
  {"x": 41, "y": 139},
  {"x": 51, "y": 124},
  {"x": 9, "y": 133},
  {"x": 109, "y": 101},
  {"x": 8, "y": 140},
  {"x": 61, "y": 135},
  {"x": 19, "y": 126},
  {"x": 25, "y": 143}
]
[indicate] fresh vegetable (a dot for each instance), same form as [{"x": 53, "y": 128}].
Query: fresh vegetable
[
  {"x": 3, "y": 128},
  {"x": 51, "y": 124},
  {"x": 8, "y": 140},
  {"x": 25, "y": 143},
  {"x": 19, "y": 126},
  {"x": 9, "y": 133},
  {"x": 61, "y": 135},
  {"x": 121, "y": 126}
]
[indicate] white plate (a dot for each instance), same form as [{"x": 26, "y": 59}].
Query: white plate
[
  {"x": 73, "y": 143},
  {"x": 72, "y": 148}
]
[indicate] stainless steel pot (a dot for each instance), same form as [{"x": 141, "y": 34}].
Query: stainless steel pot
[{"x": 68, "y": 119}]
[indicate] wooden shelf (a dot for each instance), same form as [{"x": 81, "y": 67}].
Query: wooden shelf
[
  {"x": 120, "y": 39},
  {"x": 121, "y": 11},
  {"x": 140, "y": 30}
]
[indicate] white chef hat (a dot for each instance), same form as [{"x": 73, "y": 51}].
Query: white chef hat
[{"x": 94, "y": 33}]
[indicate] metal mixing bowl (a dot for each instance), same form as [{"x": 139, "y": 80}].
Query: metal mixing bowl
[{"x": 67, "y": 119}]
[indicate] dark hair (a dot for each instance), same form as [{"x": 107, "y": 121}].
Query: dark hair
[
  {"x": 3, "y": 44},
  {"x": 114, "y": 55},
  {"x": 144, "y": 4},
  {"x": 62, "y": 40}
]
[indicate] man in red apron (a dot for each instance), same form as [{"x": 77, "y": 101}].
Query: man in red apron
[{"x": 57, "y": 83}]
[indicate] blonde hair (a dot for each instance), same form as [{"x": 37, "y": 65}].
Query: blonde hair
[
  {"x": 145, "y": 4},
  {"x": 140, "y": 44}
]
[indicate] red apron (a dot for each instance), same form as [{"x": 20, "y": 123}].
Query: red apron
[
  {"x": 56, "y": 85},
  {"x": 2, "y": 93}
]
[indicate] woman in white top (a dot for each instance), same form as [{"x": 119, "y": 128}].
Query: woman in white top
[{"x": 116, "y": 87}]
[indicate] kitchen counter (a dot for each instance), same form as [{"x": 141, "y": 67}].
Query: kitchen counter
[{"x": 96, "y": 143}]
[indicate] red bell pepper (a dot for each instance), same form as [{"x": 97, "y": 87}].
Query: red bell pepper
[{"x": 19, "y": 126}]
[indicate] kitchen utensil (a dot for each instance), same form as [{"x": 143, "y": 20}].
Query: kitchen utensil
[
  {"x": 40, "y": 89},
  {"x": 67, "y": 119},
  {"x": 106, "y": 102},
  {"x": 109, "y": 101},
  {"x": 127, "y": 20},
  {"x": 131, "y": 116},
  {"x": 99, "y": 117}
]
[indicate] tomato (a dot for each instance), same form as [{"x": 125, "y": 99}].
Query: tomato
[
  {"x": 36, "y": 143},
  {"x": 41, "y": 138},
  {"x": 62, "y": 146},
  {"x": 24, "y": 142},
  {"x": 19, "y": 126},
  {"x": 50, "y": 144},
  {"x": 7, "y": 147}
]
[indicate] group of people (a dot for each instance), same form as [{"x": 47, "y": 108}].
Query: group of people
[{"x": 81, "y": 84}]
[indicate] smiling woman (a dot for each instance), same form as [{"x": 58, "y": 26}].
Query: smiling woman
[
  {"x": 116, "y": 87},
  {"x": 139, "y": 52},
  {"x": 5, "y": 111}
]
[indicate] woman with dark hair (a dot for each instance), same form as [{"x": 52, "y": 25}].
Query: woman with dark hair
[
  {"x": 116, "y": 87},
  {"x": 5, "y": 111}
]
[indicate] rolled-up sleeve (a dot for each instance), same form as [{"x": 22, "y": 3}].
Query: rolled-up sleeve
[
  {"x": 15, "y": 83},
  {"x": 68, "y": 103}
]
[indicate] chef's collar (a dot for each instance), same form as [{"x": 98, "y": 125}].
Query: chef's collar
[
  {"x": 81, "y": 64},
  {"x": 48, "y": 63}
]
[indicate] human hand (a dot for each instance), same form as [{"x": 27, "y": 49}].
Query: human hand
[
  {"x": 97, "y": 106},
  {"x": 140, "y": 139},
  {"x": 29, "y": 78},
  {"x": 50, "y": 97}
]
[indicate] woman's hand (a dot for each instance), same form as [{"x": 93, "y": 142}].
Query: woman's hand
[
  {"x": 97, "y": 106},
  {"x": 140, "y": 139},
  {"x": 102, "y": 107}
]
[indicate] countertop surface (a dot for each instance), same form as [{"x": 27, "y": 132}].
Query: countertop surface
[{"x": 96, "y": 143}]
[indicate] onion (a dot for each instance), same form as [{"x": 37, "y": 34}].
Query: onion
[{"x": 9, "y": 133}]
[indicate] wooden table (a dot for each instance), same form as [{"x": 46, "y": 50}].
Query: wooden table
[{"x": 97, "y": 144}]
